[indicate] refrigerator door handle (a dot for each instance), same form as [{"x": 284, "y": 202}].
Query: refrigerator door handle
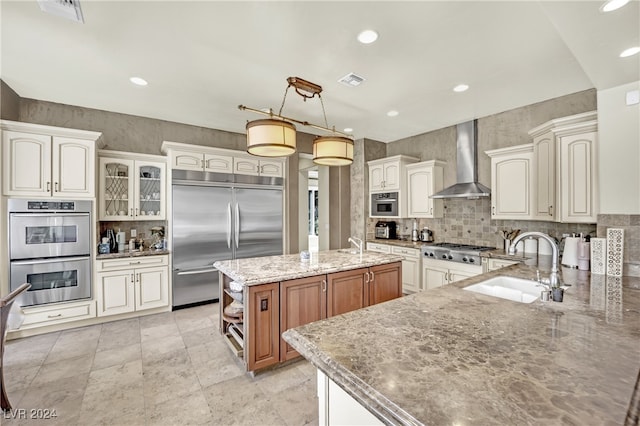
[
  {"x": 199, "y": 271},
  {"x": 228, "y": 225},
  {"x": 237, "y": 225}
]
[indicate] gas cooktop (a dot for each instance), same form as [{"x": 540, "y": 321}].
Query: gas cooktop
[{"x": 462, "y": 253}]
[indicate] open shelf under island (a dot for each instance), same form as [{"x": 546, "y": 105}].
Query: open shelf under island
[{"x": 275, "y": 293}]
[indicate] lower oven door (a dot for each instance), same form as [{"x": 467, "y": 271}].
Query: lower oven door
[{"x": 52, "y": 280}]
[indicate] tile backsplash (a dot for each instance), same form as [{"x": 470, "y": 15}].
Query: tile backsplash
[{"x": 469, "y": 222}]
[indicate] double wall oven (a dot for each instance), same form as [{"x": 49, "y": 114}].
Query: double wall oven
[{"x": 50, "y": 248}]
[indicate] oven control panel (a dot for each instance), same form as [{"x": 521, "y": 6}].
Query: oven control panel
[{"x": 51, "y": 205}]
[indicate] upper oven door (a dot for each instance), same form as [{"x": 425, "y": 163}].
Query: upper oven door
[{"x": 36, "y": 235}]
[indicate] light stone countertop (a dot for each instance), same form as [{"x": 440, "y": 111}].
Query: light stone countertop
[
  {"x": 127, "y": 253},
  {"x": 267, "y": 269},
  {"x": 448, "y": 356}
]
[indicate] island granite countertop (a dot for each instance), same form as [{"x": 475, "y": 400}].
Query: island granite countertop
[
  {"x": 267, "y": 269},
  {"x": 449, "y": 356}
]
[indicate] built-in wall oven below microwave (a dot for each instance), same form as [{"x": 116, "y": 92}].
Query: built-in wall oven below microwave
[
  {"x": 50, "y": 248},
  {"x": 384, "y": 204}
]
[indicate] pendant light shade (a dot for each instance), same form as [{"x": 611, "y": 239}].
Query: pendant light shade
[
  {"x": 333, "y": 151},
  {"x": 271, "y": 138}
]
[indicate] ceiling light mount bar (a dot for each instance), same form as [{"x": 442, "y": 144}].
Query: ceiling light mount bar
[{"x": 271, "y": 114}]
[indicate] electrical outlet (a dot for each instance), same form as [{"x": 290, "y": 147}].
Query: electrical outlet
[{"x": 134, "y": 233}]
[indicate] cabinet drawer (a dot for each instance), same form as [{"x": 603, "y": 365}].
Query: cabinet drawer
[
  {"x": 41, "y": 316},
  {"x": 131, "y": 262},
  {"x": 406, "y": 251},
  {"x": 499, "y": 263},
  {"x": 380, "y": 248}
]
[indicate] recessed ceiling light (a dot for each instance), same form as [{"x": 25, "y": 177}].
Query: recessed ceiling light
[
  {"x": 138, "y": 81},
  {"x": 611, "y": 5},
  {"x": 367, "y": 36},
  {"x": 460, "y": 88},
  {"x": 348, "y": 130},
  {"x": 393, "y": 113},
  {"x": 630, "y": 51}
]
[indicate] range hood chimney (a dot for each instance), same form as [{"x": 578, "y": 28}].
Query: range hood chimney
[{"x": 467, "y": 185}]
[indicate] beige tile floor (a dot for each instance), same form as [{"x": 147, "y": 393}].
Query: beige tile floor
[{"x": 165, "y": 369}]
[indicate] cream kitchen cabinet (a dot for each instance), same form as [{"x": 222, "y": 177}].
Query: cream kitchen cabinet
[
  {"x": 423, "y": 180},
  {"x": 258, "y": 167},
  {"x": 565, "y": 169},
  {"x": 511, "y": 182},
  {"x": 411, "y": 264},
  {"x": 45, "y": 161},
  {"x": 199, "y": 161},
  {"x": 389, "y": 174},
  {"x": 132, "y": 284},
  {"x": 201, "y": 158},
  {"x": 436, "y": 273},
  {"x": 411, "y": 268},
  {"x": 131, "y": 187},
  {"x": 490, "y": 264}
]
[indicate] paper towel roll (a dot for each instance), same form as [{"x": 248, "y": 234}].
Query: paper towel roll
[
  {"x": 570, "y": 253},
  {"x": 531, "y": 245},
  {"x": 544, "y": 247}
]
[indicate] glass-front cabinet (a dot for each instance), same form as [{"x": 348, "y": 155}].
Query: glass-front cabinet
[{"x": 131, "y": 189}]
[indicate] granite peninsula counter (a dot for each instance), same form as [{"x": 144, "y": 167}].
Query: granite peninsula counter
[{"x": 448, "y": 356}]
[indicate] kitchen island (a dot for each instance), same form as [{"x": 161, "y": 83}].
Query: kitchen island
[
  {"x": 275, "y": 293},
  {"x": 449, "y": 356}
]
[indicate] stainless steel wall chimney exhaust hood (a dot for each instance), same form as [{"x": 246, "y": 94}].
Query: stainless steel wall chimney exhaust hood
[{"x": 467, "y": 185}]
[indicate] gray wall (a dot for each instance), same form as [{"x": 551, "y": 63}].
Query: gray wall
[
  {"x": 128, "y": 133},
  {"x": 9, "y": 103}
]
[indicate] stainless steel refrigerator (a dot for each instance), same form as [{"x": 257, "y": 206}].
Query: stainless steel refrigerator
[{"x": 220, "y": 217}]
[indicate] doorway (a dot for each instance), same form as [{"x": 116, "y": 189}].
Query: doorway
[{"x": 313, "y": 210}]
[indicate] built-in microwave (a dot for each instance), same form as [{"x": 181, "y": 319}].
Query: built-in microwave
[{"x": 384, "y": 204}]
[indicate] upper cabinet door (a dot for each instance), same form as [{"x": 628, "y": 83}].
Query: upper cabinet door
[
  {"x": 246, "y": 166},
  {"x": 544, "y": 189},
  {"x": 73, "y": 167},
  {"x": 26, "y": 164},
  {"x": 116, "y": 192},
  {"x": 423, "y": 180},
  {"x": 578, "y": 178},
  {"x": 150, "y": 190},
  {"x": 271, "y": 168},
  {"x": 186, "y": 160},
  {"x": 391, "y": 175},
  {"x": 511, "y": 182},
  {"x": 218, "y": 163},
  {"x": 376, "y": 177}
]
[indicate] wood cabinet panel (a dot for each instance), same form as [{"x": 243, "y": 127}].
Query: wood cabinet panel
[
  {"x": 385, "y": 282},
  {"x": 347, "y": 291},
  {"x": 264, "y": 329},
  {"x": 301, "y": 301}
]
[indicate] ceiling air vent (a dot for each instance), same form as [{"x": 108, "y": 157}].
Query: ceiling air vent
[
  {"x": 69, "y": 9},
  {"x": 351, "y": 79}
]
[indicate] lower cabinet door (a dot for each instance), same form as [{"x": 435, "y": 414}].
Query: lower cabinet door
[
  {"x": 152, "y": 288},
  {"x": 263, "y": 345},
  {"x": 301, "y": 301},
  {"x": 347, "y": 291},
  {"x": 115, "y": 292},
  {"x": 385, "y": 282},
  {"x": 433, "y": 277}
]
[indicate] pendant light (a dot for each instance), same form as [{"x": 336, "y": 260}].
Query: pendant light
[{"x": 276, "y": 135}]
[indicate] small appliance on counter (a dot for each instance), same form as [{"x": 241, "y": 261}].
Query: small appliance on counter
[
  {"x": 386, "y": 230},
  {"x": 426, "y": 235}
]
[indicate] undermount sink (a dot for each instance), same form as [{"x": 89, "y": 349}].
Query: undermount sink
[
  {"x": 515, "y": 289},
  {"x": 349, "y": 251}
]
